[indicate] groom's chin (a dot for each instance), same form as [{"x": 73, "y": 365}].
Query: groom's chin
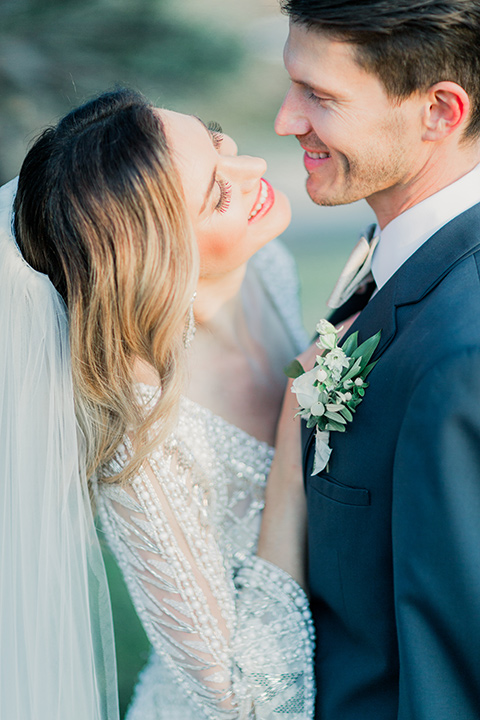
[
  {"x": 331, "y": 198},
  {"x": 320, "y": 196},
  {"x": 328, "y": 201}
]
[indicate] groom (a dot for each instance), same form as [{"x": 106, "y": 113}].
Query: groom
[{"x": 385, "y": 102}]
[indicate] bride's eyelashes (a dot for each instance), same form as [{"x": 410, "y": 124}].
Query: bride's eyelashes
[
  {"x": 216, "y": 132},
  {"x": 225, "y": 195}
]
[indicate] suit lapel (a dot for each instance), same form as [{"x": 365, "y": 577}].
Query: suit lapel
[
  {"x": 436, "y": 258},
  {"x": 411, "y": 283},
  {"x": 354, "y": 305}
]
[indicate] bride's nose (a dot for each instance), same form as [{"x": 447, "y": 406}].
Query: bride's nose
[
  {"x": 228, "y": 146},
  {"x": 247, "y": 170}
]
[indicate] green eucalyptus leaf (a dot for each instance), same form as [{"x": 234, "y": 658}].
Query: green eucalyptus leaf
[
  {"x": 364, "y": 365},
  {"x": 367, "y": 348},
  {"x": 311, "y": 422},
  {"x": 294, "y": 369},
  {"x": 354, "y": 370},
  {"x": 369, "y": 368},
  {"x": 350, "y": 344},
  {"x": 332, "y": 425},
  {"x": 347, "y": 414},
  {"x": 336, "y": 417},
  {"x": 334, "y": 407}
]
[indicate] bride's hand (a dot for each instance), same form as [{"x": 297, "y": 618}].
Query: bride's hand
[
  {"x": 288, "y": 440},
  {"x": 283, "y": 531}
]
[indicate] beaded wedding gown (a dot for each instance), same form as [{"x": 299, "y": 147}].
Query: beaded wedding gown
[{"x": 231, "y": 634}]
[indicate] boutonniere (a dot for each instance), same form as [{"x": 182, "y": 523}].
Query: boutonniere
[{"x": 329, "y": 393}]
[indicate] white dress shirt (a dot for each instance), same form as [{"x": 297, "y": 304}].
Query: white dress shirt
[{"x": 407, "y": 232}]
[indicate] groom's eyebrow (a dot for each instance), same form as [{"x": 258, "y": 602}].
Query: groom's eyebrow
[{"x": 211, "y": 184}]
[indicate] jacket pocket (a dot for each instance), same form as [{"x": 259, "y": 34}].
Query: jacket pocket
[{"x": 334, "y": 490}]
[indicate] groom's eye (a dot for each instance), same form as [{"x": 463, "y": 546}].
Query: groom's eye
[{"x": 316, "y": 98}]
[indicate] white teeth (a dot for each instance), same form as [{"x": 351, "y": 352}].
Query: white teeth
[
  {"x": 261, "y": 200},
  {"x": 317, "y": 156}
]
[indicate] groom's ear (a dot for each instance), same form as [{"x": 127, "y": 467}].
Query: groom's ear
[{"x": 446, "y": 110}]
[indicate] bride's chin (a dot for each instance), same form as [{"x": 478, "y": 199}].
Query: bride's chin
[
  {"x": 281, "y": 213},
  {"x": 282, "y": 206}
]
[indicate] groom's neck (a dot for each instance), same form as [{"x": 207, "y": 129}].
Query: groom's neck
[{"x": 438, "y": 171}]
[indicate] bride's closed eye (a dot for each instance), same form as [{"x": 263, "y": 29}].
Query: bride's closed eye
[
  {"x": 225, "y": 195},
  {"x": 216, "y": 133},
  {"x": 215, "y": 130},
  {"x": 217, "y": 136}
]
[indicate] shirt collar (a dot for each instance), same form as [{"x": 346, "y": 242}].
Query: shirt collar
[{"x": 407, "y": 232}]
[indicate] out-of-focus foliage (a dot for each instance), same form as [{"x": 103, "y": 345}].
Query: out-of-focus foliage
[{"x": 55, "y": 53}]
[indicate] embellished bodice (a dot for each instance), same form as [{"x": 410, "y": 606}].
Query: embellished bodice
[
  {"x": 231, "y": 633},
  {"x": 232, "y": 473}
]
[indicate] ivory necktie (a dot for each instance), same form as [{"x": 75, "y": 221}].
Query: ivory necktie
[{"x": 356, "y": 271}]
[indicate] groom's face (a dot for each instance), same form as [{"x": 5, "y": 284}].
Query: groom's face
[{"x": 358, "y": 142}]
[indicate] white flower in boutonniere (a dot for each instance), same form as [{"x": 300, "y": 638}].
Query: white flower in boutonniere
[
  {"x": 327, "y": 335},
  {"x": 329, "y": 393},
  {"x": 336, "y": 360}
]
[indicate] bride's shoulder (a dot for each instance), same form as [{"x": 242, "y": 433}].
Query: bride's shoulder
[{"x": 276, "y": 268}]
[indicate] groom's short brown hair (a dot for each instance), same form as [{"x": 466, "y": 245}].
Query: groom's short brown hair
[{"x": 409, "y": 44}]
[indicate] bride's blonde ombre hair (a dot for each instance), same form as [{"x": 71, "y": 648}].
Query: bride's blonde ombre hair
[{"x": 100, "y": 210}]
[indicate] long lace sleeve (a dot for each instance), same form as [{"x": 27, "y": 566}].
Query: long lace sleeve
[{"x": 239, "y": 641}]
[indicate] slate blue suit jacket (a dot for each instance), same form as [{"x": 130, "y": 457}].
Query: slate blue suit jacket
[{"x": 394, "y": 526}]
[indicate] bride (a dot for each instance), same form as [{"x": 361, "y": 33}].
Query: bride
[{"x": 147, "y": 223}]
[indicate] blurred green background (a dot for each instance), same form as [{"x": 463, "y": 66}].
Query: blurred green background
[{"x": 218, "y": 59}]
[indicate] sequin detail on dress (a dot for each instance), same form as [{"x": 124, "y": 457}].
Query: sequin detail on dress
[{"x": 232, "y": 634}]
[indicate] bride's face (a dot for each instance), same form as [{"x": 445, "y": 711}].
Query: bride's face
[{"x": 234, "y": 211}]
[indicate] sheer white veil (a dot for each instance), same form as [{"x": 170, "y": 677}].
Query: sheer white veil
[{"x": 57, "y": 657}]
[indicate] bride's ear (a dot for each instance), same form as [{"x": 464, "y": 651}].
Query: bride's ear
[{"x": 446, "y": 110}]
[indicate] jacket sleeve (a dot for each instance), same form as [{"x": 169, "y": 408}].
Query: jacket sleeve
[{"x": 436, "y": 544}]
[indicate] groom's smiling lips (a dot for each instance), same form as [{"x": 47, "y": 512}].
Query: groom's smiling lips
[{"x": 313, "y": 159}]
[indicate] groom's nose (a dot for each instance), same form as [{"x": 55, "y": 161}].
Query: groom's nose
[{"x": 290, "y": 119}]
